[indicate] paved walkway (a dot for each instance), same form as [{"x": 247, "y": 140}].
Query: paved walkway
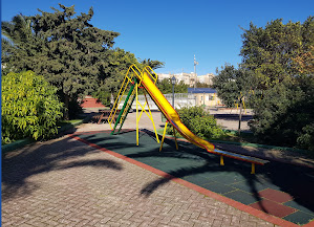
[
  {"x": 130, "y": 122},
  {"x": 64, "y": 182}
]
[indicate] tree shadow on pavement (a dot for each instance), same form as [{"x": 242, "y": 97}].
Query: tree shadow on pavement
[
  {"x": 287, "y": 178},
  {"x": 56, "y": 155},
  {"x": 211, "y": 165},
  {"x": 148, "y": 150},
  {"x": 296, "y": 180},
  {"x": 191, "y": 162}
]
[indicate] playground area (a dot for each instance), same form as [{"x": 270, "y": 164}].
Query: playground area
[{"x": 108, "y": 175}]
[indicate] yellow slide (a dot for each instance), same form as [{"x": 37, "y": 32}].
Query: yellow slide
[{"x": 172, "y": 115}]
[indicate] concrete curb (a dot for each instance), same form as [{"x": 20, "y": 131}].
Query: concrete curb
[{"x": 15, "y": 145}]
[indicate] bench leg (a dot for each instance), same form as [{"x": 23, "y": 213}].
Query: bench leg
[
  {"x": 222, "y": 160},
  {"x": 253, "y": 168},
  {"x": 100, "y": 119}
]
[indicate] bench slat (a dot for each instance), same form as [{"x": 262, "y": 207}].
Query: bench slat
[{"x": 241, "y": 157}]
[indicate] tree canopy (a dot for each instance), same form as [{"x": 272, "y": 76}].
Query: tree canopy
[
  {"x": 269, "y": 51},
  {"x": 233, "y": 84},
  {"x": 165, "y": 86},
  {"x": 277, "y": 71},
  {"x": 68, "y": 51}
]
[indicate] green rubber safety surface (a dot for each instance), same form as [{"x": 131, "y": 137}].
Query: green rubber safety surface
[
  {"x": 218, "y": 188},
  {"x": 271, "y": 187},
  {"x": 299, "y": 218},
  {"x": 243, "y": 197},
  {"x": 296, "y": 205}
]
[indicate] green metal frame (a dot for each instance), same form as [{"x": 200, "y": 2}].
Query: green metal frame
[
  {"x": 122, "y": 110},
  {"x": 126, "y": 114}
]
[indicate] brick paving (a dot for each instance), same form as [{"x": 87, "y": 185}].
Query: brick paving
[{"x": 64, "y": 182}]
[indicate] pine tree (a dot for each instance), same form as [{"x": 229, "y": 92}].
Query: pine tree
[{"x": 68, "y": 51}]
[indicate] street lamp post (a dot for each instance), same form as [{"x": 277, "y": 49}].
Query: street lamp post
[
  {"x": 173, "y": 82},
  {"x": 195, "y": 79}
]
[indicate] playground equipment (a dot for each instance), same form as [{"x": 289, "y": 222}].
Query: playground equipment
[
  {"x": 236, "y": 103},
  {"x": 133, "y": 77},
  {"x": 146, "y": 79}
]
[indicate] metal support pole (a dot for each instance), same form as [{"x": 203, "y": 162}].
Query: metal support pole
[
  {"x": 195, "y": 64},
  {"x": 137, "y": 115},
  {"x": 173, "y": 95},
  {"x": 175, "y": 138},
  {"x": 222, "y": 163},
  {"x": 163, "y": 136},
  {"x": 122, "y": 110},
  {"x": 253, "y": 168}
]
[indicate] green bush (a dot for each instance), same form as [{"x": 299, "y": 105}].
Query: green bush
[
  {"x": 284, "y": 115},
  {"x": 30, "y": 107},
  {"x": 306, "y": 139},
  {"x": 199, "y": 122}
]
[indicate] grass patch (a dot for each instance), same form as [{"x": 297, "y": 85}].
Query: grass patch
[
  {"x": 69, "y": 122},
  {"x": 244, "y": 137}
]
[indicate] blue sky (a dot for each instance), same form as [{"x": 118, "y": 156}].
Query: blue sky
[{"x": 173, "y": 31}]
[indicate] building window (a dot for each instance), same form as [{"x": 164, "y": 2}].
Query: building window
[{"x": 211, "y": 97}]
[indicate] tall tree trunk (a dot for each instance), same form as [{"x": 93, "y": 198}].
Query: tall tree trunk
[
  {"x": 240, "y": 117},
  {"x": 66, "y": 103}
]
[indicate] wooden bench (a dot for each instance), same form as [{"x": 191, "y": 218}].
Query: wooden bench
[
  {"x": 254, "y": 161},
  {"x": 104, "y": 116}
]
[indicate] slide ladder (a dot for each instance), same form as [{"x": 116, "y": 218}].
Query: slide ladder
[
  {"x": 133, "y": 79},
  {"x": 128, "y": 86}
]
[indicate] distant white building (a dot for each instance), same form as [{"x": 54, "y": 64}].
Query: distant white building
[
  {"x": 188, "y": 78},
  {"x": 205, "y": 97},
  {"x": 206, "y": 79}
]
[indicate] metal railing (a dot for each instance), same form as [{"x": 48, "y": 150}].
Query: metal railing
[{"x": 180, "y": 100}]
